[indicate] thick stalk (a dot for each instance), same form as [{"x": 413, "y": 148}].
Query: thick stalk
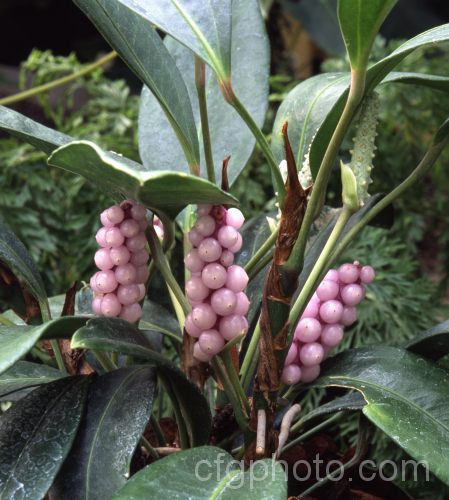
[
  {"x": 105, "y": 361},
  {"x": 200, "y": 82},
  {"x": 26, "y": 94},
  {"x": 266, "y": 247}
]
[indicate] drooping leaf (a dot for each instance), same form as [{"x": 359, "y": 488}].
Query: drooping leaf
[
  {"x": 359, "y": 23},
  {"x": 229, "y": 134},
  {"x": 206, "y": 473},
  {"x": 166, "y": 191},
  {"x": 24, "y": 374},
  {"x": 36, "y": 435},
  {"x": 116, "y": 335},
  {"x": 433, "y": 343},
  {"x": 406, "y": 397},
  {"x": 140, "y": 46},
  {"x": 118, "y": 408},
  {"x": 17, "y": 340},
  {"x": 157, "y": 318}
]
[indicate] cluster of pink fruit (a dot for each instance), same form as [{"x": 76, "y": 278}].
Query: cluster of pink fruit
[
  {"x": 321, "y": 327},
  {"x": 122, "y": 259},
  {"x": 215, "y": 288}
]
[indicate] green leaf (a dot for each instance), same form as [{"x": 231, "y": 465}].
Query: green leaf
[
  {"x": 41, "y": 137},
  {"x": 406, "y": 397},
  {"x": 229, "y": 134},
  {"x": 140, "y": 46},
  {"x": 36, "y": 435},
  {"x": 118, "y": 176},
  {"x": 157, "y": 318},
  {"x": 118, "y": 408},
  {"x": 433, "y": 343},
  {"x": 14, "y": 254},
  {"x": 17, "y": 340},
  {"x": 206, "y": 473},
  {"x": 360, "y": 22},
  {"x": 203, "y": 27},
  {"x": 116, "y": 335},
  {"x": 24, "y": 374}
]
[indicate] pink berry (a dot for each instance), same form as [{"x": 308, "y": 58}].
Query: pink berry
[
  {"x": 136, "y": 243},
  {"x": 214, "y": 275},
  {"x": 195, "y": 237},
  {"x": 203, "y": 316},
  {"x": 311, "y": 310},
  {"x": 205, "y": 225},
  {"x": 309, "y": 373},
  {"x": 93, "y": 283},
  {"x": 114, "y": 237},
  {"x": 243, "y": 303},
  {"x": 331, "y": 311},
  {"x": 193, "y": 262},
  {"x": 138, "y": 212},
  {"x": 327, "y": 290},
  {"x": 105, "y": 281},
  {"x": 232, "y": 326},
  {"x": 199, "y": 354},
  {"x": 105, "y": 219},
  {"x": 139, "y": 258},
  {"x": 367, "y": 274},
  {"x": 237, "y": 245},
  {"x": 126, "y": 274},
  {"x": 129, "y": 228},
  {"x": 223, "y": 302},
  {"x": 142, "y": 274},
  {"x": 100, "y": 236},
  {"x": 190, "y": 327},
  {"x": 128, "y": 294},
  {"x": 196, "y": 289},
  {"x": 209, "y": 250},
  {"x": 332, "y": 335},
  {"x": 115, "y": 214},
  {"x": 143, "y": 224},
  {"x": 291, "y": 374},
  {"x": 311, "y": 354},
  {"x": 204, "y": 209},
  {"x": 332, "y": 275},
  {"x": 131, "y": 313},
  {"x": 142, "y": 292},
  {"x": 228, "y": 236},
  {"x": 349, "y": 316},
  {"x": 352, "y": 294},
  {"x": 103, "y": 259},
  {"x": 119, "y": 255},
  {"x": 308, "y": 330},
  {"x": 110, "y": 305},
  {"x": 237, "y": 279},
  {"x": 211, "y": 342},
  {"x": 96, "y": 305},
  {"x": 235, "y": 218},
  {"x": 292, "y": 354},
  {"x": 226, "y": 258},
  {"x": 348, "y": 273}
]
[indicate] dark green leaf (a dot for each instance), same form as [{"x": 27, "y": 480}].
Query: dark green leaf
[
  {"x": 118, "y": 408},
  {"x": 406, "y": 397},
  {"x": 206, "y": 473},
  {"x": 360, "y": 22},
  {"x": 133, "y": 37},
  {"x": 14, "y": 254},
  {"x": 112, "y": 334},
  {"x": 24, "y": 374},
  {"x": 36, "y": 435},
  {"x": 157, "y": 318},
  {"x": 229, "y": 134},
  {"x": 433, "y": 343},
  {"x": 118, "y": 176}
]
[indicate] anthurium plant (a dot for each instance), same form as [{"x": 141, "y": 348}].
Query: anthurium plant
[{"x": 177, "y": 369}]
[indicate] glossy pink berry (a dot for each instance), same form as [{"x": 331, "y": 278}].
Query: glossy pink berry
[
  {"x": 203, "y": 316},
  {"x": 115, "y": 214},
  {"x": 292, "y": 354},
  {"x": 237, "y": 245},
  {"x": 196, "y": 289},
  {"x": 211, "y": 342},
  {"x": 131, "y": 313},
  {"x": 234, "y": 218},
  {"x": 139, "y": 258},
  {"x": 331, "y": 311},
  {"x": 136, "y": 243},
  {"x": 308, "y": 330},
  {"x": 228, "y": 236},
  {"x": 291, "y": 374},
  {"x": 128, "y": 294},
  {"x": 195, "y": 237},
  {"x": 332, "y": 335},
  {"x": 126, "y": 274},
  {"x": 120, "y": 255},
  {"x": 367, "y": 274},
  {"x": 349, "y": 316},
  {"x": 223, "y": 302},
  {"x": 309, "y": 373},
  {"x": 311, "y": 354},
  {"x": 114, "y": 237},
  {"x": 138, "y": 212},
  {"x": 193, "y": 262},
  {"x": 226, "y": 258},
  {"x": 242, "y": 305},
  {"x": 232, "y": 326},
  {"x": 214, "y": 275},
  {"x": 209, "y": 250},
  {"x": 332, "y": 275},
  {"x": 105, "y": 281},
  {"x": 100, "y": 236},
  {"x": 110, "y": 305},
  {"x": 327, "y": 290},
  {"x": 199, "y": 354},
  {"x": 105, "y": 219},
  {"x": 129, "y": 228},
  {"x": 205, "y": 225},
  {"x": 96, "y": 305},
  {"x": 348, "y": 273},
  {"x": 204, "y": 209},
  {"x": 103, "y": 259},
  {"x": 352, "y": 294},
  {"x": 237, "y": 279},
  {"x": 311, "y": 310},
  {"x": 142, "y": 274}
]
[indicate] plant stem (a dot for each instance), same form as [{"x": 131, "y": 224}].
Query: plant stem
[
  {"x": 200, "y": 82},
  {"x": 169, "y": 232},
  {"x": 251, "y": 358},
  {"x": 105, "y": 361},
  {"x": 266, "y": 259},
  {"x": 46, "y": 316},
  {"x": 147, "y": 445},
  {"x": 234, "y": 379},
  {"x": 320, "y": 265},
  {"x": 26, "y": 94},
  {"x": 182, "y": 430},
  {"x": 158, "y": 431},
  {"x": 266, "y": 246}
]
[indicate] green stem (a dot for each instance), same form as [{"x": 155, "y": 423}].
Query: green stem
[
  {"x": 320, "y": 265},
  {"x": 105, "y": 361},
  {"x": 147, "y": 445},
  {"x": 162, "y": 440},
  {"x": 169, "y": 232},
  {"x": 43, "y": 356},
  {"x": 260, "y": 266},
  {"x": 251, "y": 357},
  {"x": 182, "y": 430},
  {"x": 266, "y": 246},
  {"x": 46, "y": 316},
  {"x": 234, "y": 379},
  {"x": 200, "y": 82},
  {"x": 355, "y": 96},
  {"x": 26, "y": 94}
]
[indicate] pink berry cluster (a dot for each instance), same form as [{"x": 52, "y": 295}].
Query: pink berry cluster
[
  {"x": 321, "y": 326},
  {"x": 215, "y": 288},
  {"x": 119, "y": 285}
]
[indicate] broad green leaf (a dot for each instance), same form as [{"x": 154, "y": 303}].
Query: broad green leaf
[
  {"x": 157, "y": 318},
  {"x": 17, "y": 340},
  {"x": 206, "y": 473},
  {"x": 360, "y": 22},
  {"x": 41, "y": 137},
  {"x": 36, "y": 434},
  {"x": 203, "y": 27},
  {"x": 118, "y": 408},
  {"x": 229, "y": 134},
  {"x": 24, "y": 374},
  {"x": 116, "y": 335},
  {"x": 406, "y": 397},
  {"x": 118, "y": 176},
  {"x": 142, "y": 49},
  {"x": 433, "y": 343},
  {"x": 14, "y": 254}
]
